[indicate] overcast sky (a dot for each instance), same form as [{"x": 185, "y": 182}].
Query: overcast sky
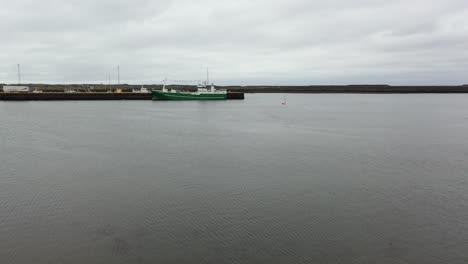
[{"x": 274, "y": 42}]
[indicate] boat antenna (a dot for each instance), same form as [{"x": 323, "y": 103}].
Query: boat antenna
[
  {"x": 19, "y": 74},
  {"x": 207, "y": 77}
]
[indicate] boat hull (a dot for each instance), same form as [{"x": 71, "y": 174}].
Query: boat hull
[{"x": 158, "y": 95}]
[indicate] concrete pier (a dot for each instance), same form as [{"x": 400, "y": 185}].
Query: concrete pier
[
  {"x": 73, "y": 96},
  {"x": 47, "y": 96}
]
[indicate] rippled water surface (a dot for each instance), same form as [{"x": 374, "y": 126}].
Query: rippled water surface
[{"x": 329, "y": 178}]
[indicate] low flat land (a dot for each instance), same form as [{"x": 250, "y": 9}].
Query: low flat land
[
  {"x": 350, "y": 89},
  {"x": 266, "y": 89}
]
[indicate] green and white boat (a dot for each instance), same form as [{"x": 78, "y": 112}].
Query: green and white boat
[{"x": 202, "y": 93}]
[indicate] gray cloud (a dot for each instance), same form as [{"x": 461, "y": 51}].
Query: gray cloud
[{"x": 242, "y": 42}]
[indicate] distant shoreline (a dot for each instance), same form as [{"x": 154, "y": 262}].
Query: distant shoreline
[
  {"x": 351, "y": 89},
  {"x": 379, "y": 89}
]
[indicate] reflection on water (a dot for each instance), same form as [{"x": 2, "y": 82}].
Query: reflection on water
[{"x": 323, "y": 179}]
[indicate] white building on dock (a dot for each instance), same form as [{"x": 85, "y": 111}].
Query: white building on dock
[{"x": 15, "y": 88}]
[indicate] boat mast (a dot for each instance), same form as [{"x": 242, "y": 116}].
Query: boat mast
[
  {"x": 208, "y": 80},
  {"x": 110, "y": 87},
  {"x": 164, "y": 85},
  {"x": 118, "y": 74},
  {"x": 19, "y": 74}
]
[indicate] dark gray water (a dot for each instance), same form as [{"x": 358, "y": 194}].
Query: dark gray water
[{"x": 324, "y": 179}]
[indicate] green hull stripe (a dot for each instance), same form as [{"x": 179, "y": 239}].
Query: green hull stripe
[{"x": 156, "y": 95}]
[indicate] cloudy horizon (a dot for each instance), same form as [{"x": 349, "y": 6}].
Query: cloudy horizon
[{"x": 259, "y": 42}]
